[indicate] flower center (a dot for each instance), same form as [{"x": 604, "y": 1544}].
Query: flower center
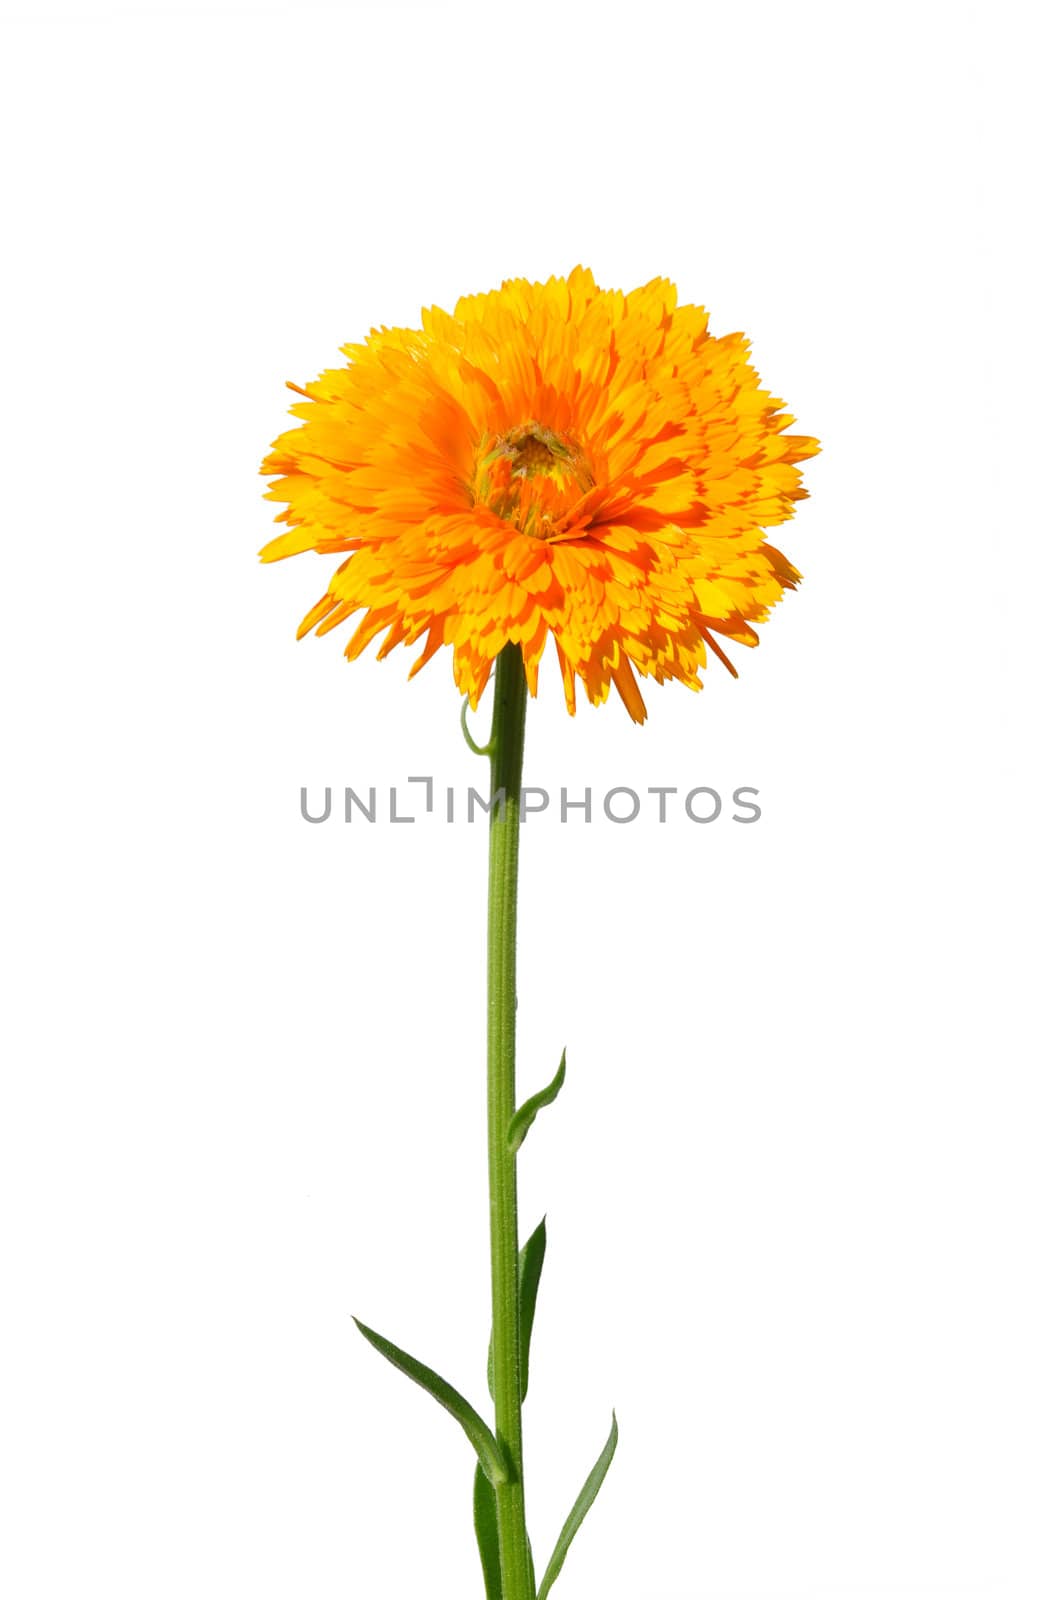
[{"x": 531, "y": 477}]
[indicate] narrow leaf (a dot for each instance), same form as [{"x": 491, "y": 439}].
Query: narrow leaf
[
  {"x": 479, "y": 1435},
  {"x": 530, "y": 1271},
  {"x": 590, "y": 1490},
  {"x": 523, "y": 1118},
  {"x": 531, "y": 1258},
  {"x": 485, "y": 1517}
]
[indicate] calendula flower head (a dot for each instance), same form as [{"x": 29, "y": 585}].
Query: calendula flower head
[{"x": 549, "y": 459}]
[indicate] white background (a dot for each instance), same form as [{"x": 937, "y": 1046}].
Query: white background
[{"x": 799, "y": 1183}]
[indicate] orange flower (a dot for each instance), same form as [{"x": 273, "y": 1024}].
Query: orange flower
[{"x": 552, "y": 458}]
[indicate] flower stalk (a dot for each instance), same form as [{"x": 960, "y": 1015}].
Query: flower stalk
[{"x": 506, "y": 770}]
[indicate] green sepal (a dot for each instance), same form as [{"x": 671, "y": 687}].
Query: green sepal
[
  {"x": 530, "y": 1271},
  {"x": 491, "y": 1457},
  {"x": 523, "y": 1118},
  {"x": 485, "y": 1517},
  {"x": 590, "y": 1490}
]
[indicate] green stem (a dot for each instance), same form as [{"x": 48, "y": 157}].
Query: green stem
[{"x": 506, "y": 768}]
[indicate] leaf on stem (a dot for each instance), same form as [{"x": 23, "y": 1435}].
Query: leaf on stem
[
  {"x": 477, "y": 749},
  {"x": 590, "y": 1490},
  {"x": 523, "y": 1118},
  {"x": 491, "y": 1457},
  {"x": 531, "y": 1257},
  {"x": 485, "y": 1517},
  {"x": 530, "y": 1271}
]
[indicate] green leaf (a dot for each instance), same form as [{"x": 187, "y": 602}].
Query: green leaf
[
  {"x": 485, "y": 1517},
  {"x": 491, "y": 1457},
  {"x": 523, "y": 1118},
  {"x": 531, "y": 1258},
  {"x": 590, "y": 1490},
  {"x": 530, "y": 1271}
]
